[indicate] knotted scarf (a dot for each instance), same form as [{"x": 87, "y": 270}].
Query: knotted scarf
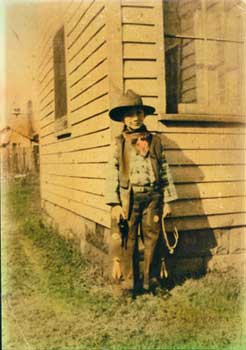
[{"x": 140, "y": 139}]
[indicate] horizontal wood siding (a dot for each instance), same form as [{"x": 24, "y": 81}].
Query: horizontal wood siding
[
  {"x": 73, "y": 168},
  {"x": 208, "y": 166},
  {"x": 140, "y": 35},
  {"x": 207, "y": 161}
]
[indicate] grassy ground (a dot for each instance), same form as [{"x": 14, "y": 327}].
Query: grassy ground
[{"x": 54, "y": 299}]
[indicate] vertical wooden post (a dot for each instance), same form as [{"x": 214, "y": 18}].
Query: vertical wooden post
[
  {"x": 115, "y": 55},
  {"x": 160, "y": 42},
  {"x": 205, "y": 86},
  {"x": 115, "y": 73},
  {"x": 243, "y": 81}
]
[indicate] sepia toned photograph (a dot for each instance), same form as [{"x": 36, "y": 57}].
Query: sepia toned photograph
[{"x": 123, "y": 174}]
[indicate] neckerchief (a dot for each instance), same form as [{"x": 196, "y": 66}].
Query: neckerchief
[{"x": 140, "y": 139}]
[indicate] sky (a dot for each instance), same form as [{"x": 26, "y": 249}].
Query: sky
[
  {"x": 17, "y": 38},
  {"x": 2, "y": 63}
]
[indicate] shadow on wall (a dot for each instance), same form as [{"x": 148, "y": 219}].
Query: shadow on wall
[{"x": 197, "y": 241}]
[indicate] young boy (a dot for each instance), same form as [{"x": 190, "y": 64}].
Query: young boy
[{"x": 139, "y": 189}]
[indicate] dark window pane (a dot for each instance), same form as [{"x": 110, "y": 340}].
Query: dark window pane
[
  {"x": 181, "y": 16},
  {"x": 180, "y": 72},
  {"x": 60, "y": 74},
  {"x": 204, "y": 55}
]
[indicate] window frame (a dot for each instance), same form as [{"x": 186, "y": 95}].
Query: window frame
[
  {"x": 204, "y": 112},
  {"x": 62, "y": 124}
]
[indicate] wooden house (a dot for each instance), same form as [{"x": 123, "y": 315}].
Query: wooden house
[{"x": 184, "y": 57}]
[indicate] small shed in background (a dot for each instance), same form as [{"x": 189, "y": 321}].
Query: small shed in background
[{"x": 20, "y": 145}]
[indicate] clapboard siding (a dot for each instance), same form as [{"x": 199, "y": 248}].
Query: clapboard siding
[
  {"x": 139, "y": 69},
  {"x": 139, "y": 50},
  {"x": 93, "y": 186},
  {"x": 201, "y": 141},
  {"x": 49, "y": 85},
  {"x": 142, "y": 16},
  {"x": 148, "y": 88},
  {"x": 187, "y": 142},
  {"x": 73, "y": 169},
  {"x": 139, "y": 3},
  {"x": 212, "y": 206},
  {"x": 205, "y": 157},
  {"x": 87, "y": 69},
  {"x": 87, "y": 50},
  {"x": 185, "y": 191},
  {"x": 46, "y": 119},
  {"x": 86, "y": 126},
  {"x": 47, "y": 65},
  {"x": 99, "y": 105},
  {"x": 46, "y": 76},
  {"x": 46, "y": 104},
  {"x": 80, "y": 156},
  {"x": 78, "y": 15},
  {"x": 208, "y": 169},
  {"x": 206, "y": 221},
  {"x": 90, "y": 93},
  {"x": 95, "y": 139},
  {"x": 89, "y": 170},
  {"x": 48, "y": 94},
  {"x": 90, "y": 48},
  {"x": 139, "y": 33},
  {"x": 208, "y": 173},
  {"x": 91, "y": 213},
  {"x": 47, "y": 110},
  {"x": 207, "y": 161},
  {"x": 77, "y": 195},
  {"x": 204, "y": 128},
  {"x": 47, "y": 129},
  {"x": 88, "y": 45},
  {"x": 82, "y": 31},
  {"x": 75, "y": 10},
  {"x": 211, "y": 190},
  {"x": 89, "y": 82},
  {"x": 46, "y": 56}
]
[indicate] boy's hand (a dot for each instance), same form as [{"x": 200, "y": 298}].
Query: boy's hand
[
  {"x": 166, "y": 210},
  {"x": 117, "y": 213}
]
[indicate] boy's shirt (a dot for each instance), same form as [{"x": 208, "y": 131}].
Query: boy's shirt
[{"x": 141, "y": 171}]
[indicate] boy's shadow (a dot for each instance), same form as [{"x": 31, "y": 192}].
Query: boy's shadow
[{"x": 196, "y": 244}]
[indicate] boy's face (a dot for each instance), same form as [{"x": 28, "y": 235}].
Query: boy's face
[{"x": 133, "y": 118}]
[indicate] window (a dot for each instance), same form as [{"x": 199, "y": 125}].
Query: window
[
  {"x": 204, "y": 56},
  {"x": 60, "y": 79}
]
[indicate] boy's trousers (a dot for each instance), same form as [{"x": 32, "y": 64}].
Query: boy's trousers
[{"x": 146, "y": 212}]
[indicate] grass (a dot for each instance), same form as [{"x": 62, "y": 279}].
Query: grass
[{"x": 53, "y": 298}]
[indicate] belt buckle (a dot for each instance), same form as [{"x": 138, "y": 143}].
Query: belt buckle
[
  {"x": 141, "y": 189},
  {"x": 146, "y": 188}
]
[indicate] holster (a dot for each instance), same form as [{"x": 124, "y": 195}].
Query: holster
[{"x": 125, "y": 198}]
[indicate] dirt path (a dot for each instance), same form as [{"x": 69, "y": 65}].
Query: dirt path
[{"x": 34, "y": 317}]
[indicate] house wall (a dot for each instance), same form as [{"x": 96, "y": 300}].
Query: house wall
[
  {"x": 206, "y": 159},
  {"x": 73, "y": 168}
]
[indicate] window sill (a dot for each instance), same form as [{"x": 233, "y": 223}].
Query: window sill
[
  {"x": 202, "y": 118},
  {"x": 62, "y": 129}
]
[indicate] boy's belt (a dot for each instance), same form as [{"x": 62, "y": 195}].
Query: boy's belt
[{"x": 146, "y": 188}]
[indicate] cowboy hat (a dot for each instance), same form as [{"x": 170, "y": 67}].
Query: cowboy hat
[{"x": 125, "y": 101}]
